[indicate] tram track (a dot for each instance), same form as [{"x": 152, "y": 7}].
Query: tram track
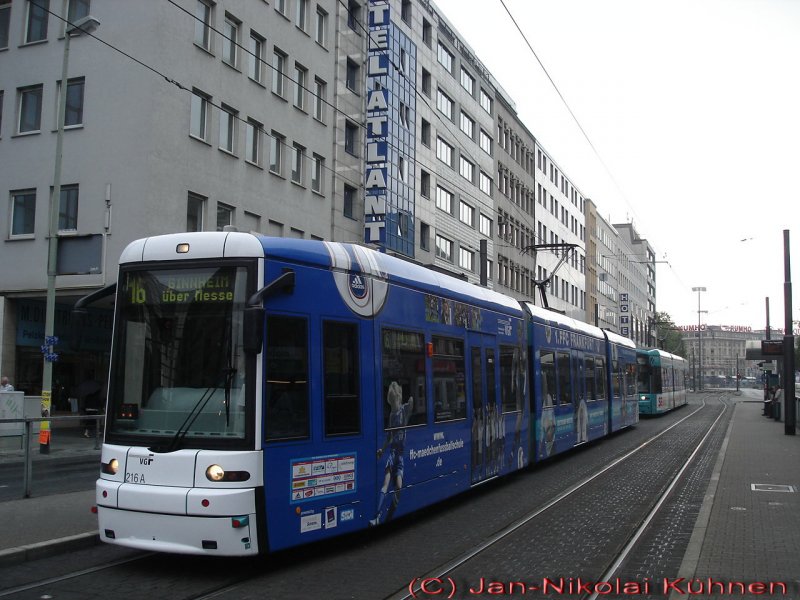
[{"x": 444, "y": 582}]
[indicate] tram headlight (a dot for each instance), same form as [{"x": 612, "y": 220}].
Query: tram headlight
[
  {"x": 215, "y": 473},
  {"x": 111, "y": 467}
]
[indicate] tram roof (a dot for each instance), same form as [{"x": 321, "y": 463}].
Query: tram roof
[{"x": 555, "y": 319}]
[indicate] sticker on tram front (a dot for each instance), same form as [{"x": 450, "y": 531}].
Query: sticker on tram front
[{"x": 310, "y": 522}]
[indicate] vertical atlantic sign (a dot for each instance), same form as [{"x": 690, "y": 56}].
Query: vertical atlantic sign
[{"x": 376, "y": 184}]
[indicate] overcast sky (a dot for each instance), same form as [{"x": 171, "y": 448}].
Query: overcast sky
[{"x": 693, "y": 107}]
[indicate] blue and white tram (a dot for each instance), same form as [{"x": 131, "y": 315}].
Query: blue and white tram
[
  {"x": 662, "y": 381},
  {"x": 269, "y": 392}
]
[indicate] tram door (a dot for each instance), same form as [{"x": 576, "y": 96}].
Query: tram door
[{"x": 485, "y": 412}]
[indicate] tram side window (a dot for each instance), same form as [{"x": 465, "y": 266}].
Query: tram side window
[
  {"x": 617, "y": 388},
  {"x": 548, "y": 363},
  {"x": 511, "y": 378},
  {"x": 600, "y": 371},
  {"x": 403, "y": 366},
  {"x": 449, "y": 380},
  {"x": 588, "y": 374},
  {"x": 286, "y": 400},
  {"x": 340, "y": 364},
  {"x": 564, "y": 378}
]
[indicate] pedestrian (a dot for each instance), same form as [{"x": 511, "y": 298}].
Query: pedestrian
[{"x": 5, "y": 385}]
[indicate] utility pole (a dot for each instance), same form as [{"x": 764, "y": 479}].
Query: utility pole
[{"x": 788, "y": 343}]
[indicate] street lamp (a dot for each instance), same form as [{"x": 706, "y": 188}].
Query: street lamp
[
  {"x": 85, "y": 24},
  {"x": 699, "y": 337}
]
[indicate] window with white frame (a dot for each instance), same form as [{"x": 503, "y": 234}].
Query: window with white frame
[
  {"x": 200, "y": 111},
  {"x": 444, "y": 248},
  {"x": 444, "y": 151},
  {"x": 195, "y": 208},
  {"x": 280, "y": 6},
  {"x": 485, "y": 183},
  {"x": 301, "y": 13},
  {"x": 485, "y": 225},
  {"x": 77, "y": 10},
  {"x": 30, "y": 109},
  {"x": 298, "y": 158},
  {"x": 204, "y": 13},
  {"x": 485, "y": 142},
  {"x": 444, "y": 104},
  {"x": 276, "y": 153},
  {"x": 228, "y": 119},
  {"x": 320, "y": 89},
  {"x": 317, "y": 171},
  {"x": 467, "y": 125},
  {"x": 444, "y": 200},
  {"x": 466, "y": 168},
  {"x": 253, "y": 142},
  {"x": 23, "y": 212},
  {"x": 321, "y": 29},
  {"x": 467, "y": 81},
  {"x": 5, "y": 20},
  {"x": 445, "y": 57},
  {"x": 224, "y": 215},
  {"x": 37, "y": 15},
  {"x": 68, "y": 208},
  {"x": 278, "y": 73},
  {"x": 486, "y": 101},
  {"x": 255, "y": 57},
  {"x": 300, "y": 76},
  {"x": 466, "y": 214},
  {"x": 230, "y": 42},
  {"x": 73, "y": 114},
  {"x": 466, "y": 259}
]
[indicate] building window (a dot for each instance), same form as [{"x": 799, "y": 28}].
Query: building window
[
  {"x": 253, "y": 142},
  {"x": 444, "y": 248},
  {"x": 68, "y": 208},
  {"x": 255, "y": 58},
  {"x": 349, "y": 200},
  {"x": 224, "y": 215},
  {"x": 5, "y": 19},
  {"x": 485, "y": 183},
  {"x": 321, "y": 29},
  {"x": 230, "y": 45},
  {"x": 195, "y": 207},
  {"x": 405, "y": 11},
  {"x": 486, "y": 101},
  {"x": 228, "y": 119},
  {"x": 445, "y": 58},
  {"x": 200, "y": 107},
  {"x": 354, "y": 15},
  {"x": 278, "y": 72},
  {"x": 466, "y": 168},
  {"x": 320, "y": 88},
  {"x": 424, "y": 236},
  {"x": 352, "y": 75},
  {"x": 23, "y": 212},
  {"x": 317, "y": 169},
  {"x": 444, "y": 200},
  {"x": 444, "y": 152},
  {"x": 444, "y": 104},
  {"x": 351, "y": 138},
  {"x": 280, "y": 6},
  {"x": 30, "y": 109},
  {"x": 485, "y": 142},
  {"x": 77, "y": 10},
  {"x": 73, "y": 114},
  {"x": 202, "y": 25},
  {"x": 467, "y": 81},
  {"x": 276, "y": 153},
  {"x": 466, "y": 213},
  {"x": 467, "y": 125},
  {"x": 36, "y": 20},
  {"x": 466, "y": 259},
  {"x": 426, "y": 82},
  {"x": 425, "y": 183},
  {"x": 298, "y": 157},
  {"x": 300, "y": 14},
  {"x": 485, "y": 225},
  {"x": 300, "y": 75}
]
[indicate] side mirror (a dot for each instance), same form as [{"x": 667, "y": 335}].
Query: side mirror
[{"x": 253, "y": 329}]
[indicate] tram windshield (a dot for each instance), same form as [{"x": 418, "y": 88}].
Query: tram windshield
[
  {"x": 178, "y": 365},
  {"x": 644, "y": 376}
]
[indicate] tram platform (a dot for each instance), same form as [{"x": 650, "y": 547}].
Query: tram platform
[{"x": 748, "y": 529}]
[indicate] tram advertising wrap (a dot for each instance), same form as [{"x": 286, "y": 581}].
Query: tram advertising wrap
[{"x": 270, "y": 392}]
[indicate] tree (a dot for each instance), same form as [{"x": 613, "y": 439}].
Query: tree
[{"x": 669, "y": 336}]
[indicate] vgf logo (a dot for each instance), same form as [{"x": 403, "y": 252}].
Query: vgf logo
[{"x": 146, "y": 461}]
